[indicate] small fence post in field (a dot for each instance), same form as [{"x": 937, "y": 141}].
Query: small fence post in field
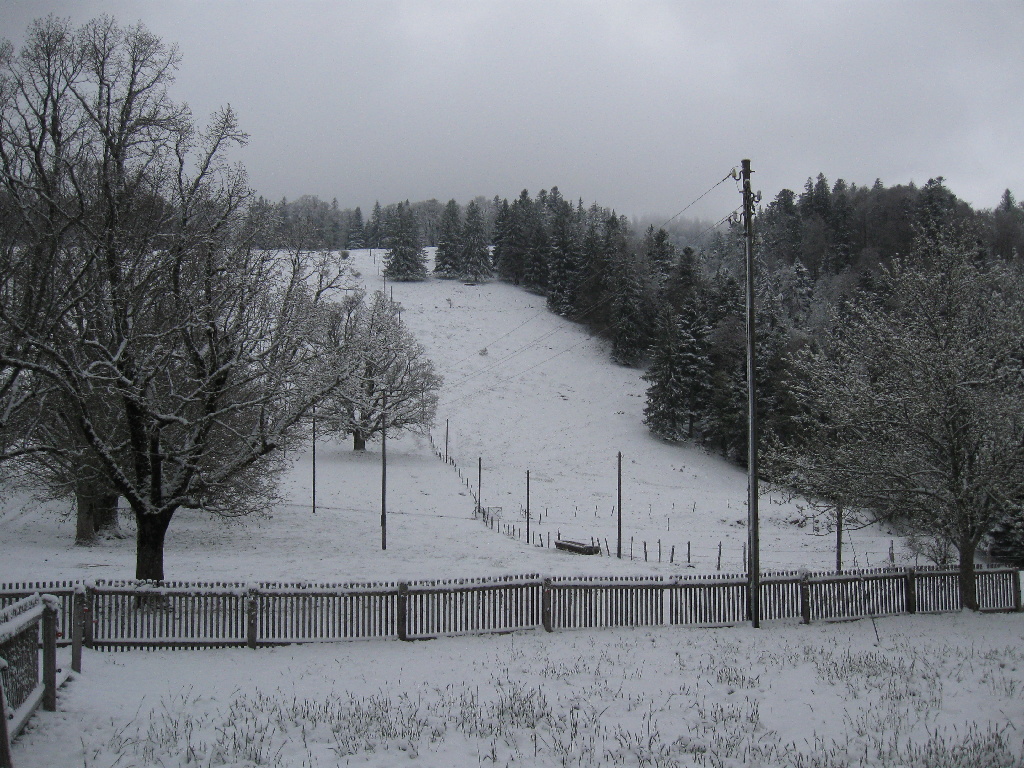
[
  {"x": 1016, "y": 591},
  {"x": 910, "y": 590},
  {"x": 545, "y": 606},
  {"x": 251, "y": 609},
  {"x": 50, "y": 654},
  {"x": 645, "y": 550},
  {"x": 88, "y": 622},
  {"x": 77, "y": 627},
  {"x": 6, "y": 761},
  {"x": 403, "y": 611},
  {"x": 805, "y": 599},
  {"x": 718, "y": 567},
  {"x": 672, "y": 557}
]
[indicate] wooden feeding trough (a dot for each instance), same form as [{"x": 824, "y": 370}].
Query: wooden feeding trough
[{"x": 577, "y": 547}]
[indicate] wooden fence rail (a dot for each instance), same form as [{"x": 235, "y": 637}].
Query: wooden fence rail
[
  {"x": 121, "y": 615},
  {"x": 24, "y": 686}
]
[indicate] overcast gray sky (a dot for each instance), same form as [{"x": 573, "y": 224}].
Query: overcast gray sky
[{"x": 639, "y": 105}]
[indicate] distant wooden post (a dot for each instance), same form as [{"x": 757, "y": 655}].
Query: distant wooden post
[
  {"x": 1016, "y": 591},
  {"x": 403, "y": 611},
  {"x": 384, "y": 472},
  {"x": 910, "y": 590},
  {"x": 251, "y": 614},
  {"x": 618, "y": 547},
  {"x": 49, "y": 657},
  {"x": 77, "y": 627},
  {"x": 479, "y": 481},
  {"x": 314, "y": 459},
  {"x": 805, "y": 599},
  {"x": 528, "y": 506},
  {"x": 545, "y": 606},
  {"x": 446, "y": 440},
  {"x": 839, "y": 538},
  {"x": 89, "y": 627}
]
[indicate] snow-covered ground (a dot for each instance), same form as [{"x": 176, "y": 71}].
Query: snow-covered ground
[
  {"x": 926, "y": 691},
  {"x": 523, "y": 390}
]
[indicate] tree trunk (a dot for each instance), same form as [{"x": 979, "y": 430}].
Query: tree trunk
[
  {"x": 96, "y": 510},
  {"x": 149, "y": 548},
  {"x": 358, "y": 441},
  {"x": 968, "y": 582},
  {"x": 104, "y": 515},
  {"x": 85, "y": 526}
]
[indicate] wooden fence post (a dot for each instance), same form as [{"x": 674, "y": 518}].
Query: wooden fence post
[
  {"x": 910, "y": 590},
  {"x": 805, "y": 599},
  {"x": 545, "y": 606},
  {"x": 88, "y": 625},
  {"x": 6, "y": 761},
  {"x": 251, "y": 618},
  {"x": 403, "y": 611},
  {"x": 49, "y": 656},
  {"x": 77, "y": 627}
]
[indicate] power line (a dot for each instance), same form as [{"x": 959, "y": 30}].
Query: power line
[
  {"x": 721, "y": 221},
  {"x": 730, "y": 175},
  {"x": 532, "y": 317},
  {"x": 373, "y": 511},
  {"x": 544, "y": 336},
  {"x": 515, "y": 375}
]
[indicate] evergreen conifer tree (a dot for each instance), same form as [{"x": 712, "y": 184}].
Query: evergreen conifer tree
[
  {"x": 449, "y": 243},
  {"x": 680, "y": 375},
  {"x": 405, "y": 259},
  {"x": 661, "y": 254},
  {"x": 356, "y": 233},
  {"x": 375, "y": 228},
  {"x": 515, "y": 240},
  {"x": 629, "y": 329},
  {"x": 536, "y": 254},
  {"x": 475, "y": 256},
  {"x": 565, "y": 258},
  {"x": 499, "y": 236}
]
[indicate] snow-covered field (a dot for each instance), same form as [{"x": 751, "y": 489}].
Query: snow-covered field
[
  {"x": 927, "y": 691},
  {"x": 523, "y": 390}
]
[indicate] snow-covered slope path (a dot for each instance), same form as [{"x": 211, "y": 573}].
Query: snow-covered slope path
[{"x": 524, "y": 390}]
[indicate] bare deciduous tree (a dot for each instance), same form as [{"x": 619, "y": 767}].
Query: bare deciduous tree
[
  {"x": 142, "y": 335},
  {"x": 392, "y": 383}
]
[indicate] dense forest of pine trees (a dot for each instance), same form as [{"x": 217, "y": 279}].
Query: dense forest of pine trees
[{"x": 671, "y": 298}]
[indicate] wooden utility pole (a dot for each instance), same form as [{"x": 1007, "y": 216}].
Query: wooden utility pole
[
  {"x": 446, "y": 439},
  {"x": 839, "y": 538},
  {"x": 479, "y": 482},
  {"x": 314, "y": 459},
  {"x": 384, "y": 473},
  {"x": 618, "y": 546},
  {"x": 753, "y": 534},
  {"x": 527, "y": 506}
]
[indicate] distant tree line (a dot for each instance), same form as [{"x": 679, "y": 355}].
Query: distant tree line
[{"x": 314, "y": 223}]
